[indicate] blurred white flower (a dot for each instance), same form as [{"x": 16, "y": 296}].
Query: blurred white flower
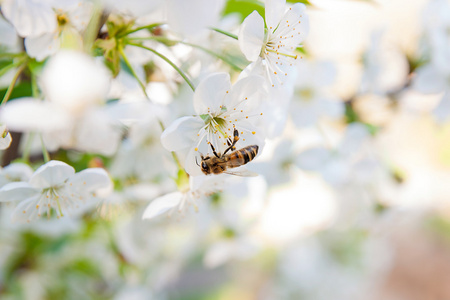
[
  {"x": 141, "y": 154},
  {"x": 5, "y": 138},
  {"x": 339, "y": 165},
  {"x": 15, "y": 172},
  {"x": 385, "y": 67},
  {"x": 71, "y": 116},
  {"x": 273, "y": 51},
  {"x": 432, "y": 78},
  {"x": 220, "y": 108},
  {"x": 54, "y": 186},
  {"x": 199, "y": 186},
  {"x": 30, "y": 17},
  {"x": 312, "y": 98}
]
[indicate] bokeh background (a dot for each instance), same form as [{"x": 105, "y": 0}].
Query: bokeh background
[{"x": 353, "y": 200}]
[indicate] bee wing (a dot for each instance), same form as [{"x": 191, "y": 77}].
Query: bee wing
[{"x": 242, "y": 172}]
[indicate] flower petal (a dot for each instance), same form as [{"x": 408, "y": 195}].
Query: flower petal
[
  {"x": 211, "y": 92},
  {"x": 29, "y": 114},
  {"x": 42, "y": 46},
  {"x": 51, "y": 174},
  {"x": 251, "y": 36},
  {"x": 162, "y": 204},
  {"x": 75, "y": 80},
  {"x": 90, "y": 180},
  {"x": 17, "y": 191},
  {"x": 182, "y": 133},
  {"x": 5, "y": 141},
  {"x": 296, "y": 23},
  {"x": 30, "y": 18},
  {"x": 274, "y": 12},
  {"x": 25, "y": 211}
]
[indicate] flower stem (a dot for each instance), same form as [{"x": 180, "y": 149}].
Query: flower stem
[
  {"x": 189, "y": 82},
  {"x": 212, "y": 53},
  {"x": 13, "y": 83},
  {"x": 127, "y": 62},
  {"x": 44, "y": 150},
  {"x": 225, "y": 33},
  {"x": 150, "y": 26},
  {"x": 27, "y": 149}
]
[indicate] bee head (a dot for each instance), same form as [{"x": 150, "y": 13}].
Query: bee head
[{"x": 204, "y": 165}]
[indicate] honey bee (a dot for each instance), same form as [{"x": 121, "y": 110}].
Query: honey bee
[{"x": 219, "y": 164}]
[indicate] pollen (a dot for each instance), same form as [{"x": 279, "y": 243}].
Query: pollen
[
  {"x": 37, "y": 206},
  {"x": 196, "y": 149},
  {"x": 246, "y": 117},
  {"x": 24, "y": 211},
  {"x": 261, "y": 114},
  {"x": 253, "y": 132}
]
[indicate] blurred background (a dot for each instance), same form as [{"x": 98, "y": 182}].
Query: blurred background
[{"x": 353, "y": 200}]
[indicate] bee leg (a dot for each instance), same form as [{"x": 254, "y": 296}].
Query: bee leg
[
  {"x": 235, "y": 140},
  {"x": 197, "y": 161},
  {"x": 214, "y": 151}
]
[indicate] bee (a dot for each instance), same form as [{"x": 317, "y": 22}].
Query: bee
[{"x": 219, "y": 164}]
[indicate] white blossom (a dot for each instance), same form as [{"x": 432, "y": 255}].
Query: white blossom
[
  {"x": 220, "y": 109},
  {"x": 272, "y": 51},
  {"x": 54, "y": 188}
]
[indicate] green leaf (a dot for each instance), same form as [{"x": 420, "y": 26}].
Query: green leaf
[
  {"x": 23, "y": 89},
  {"x": 243, "y": 8},
  {"x": 306, "y": 2}
]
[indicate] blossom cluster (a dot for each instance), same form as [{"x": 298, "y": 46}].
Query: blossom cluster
[{"x": 283, "y": 126}]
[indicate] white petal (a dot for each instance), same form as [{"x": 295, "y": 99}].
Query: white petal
[
  {"x": 251, "y": 36},
  {"x": 15, "y": 172},
  {"x": 274, "y": 12},
  {"x": 25, "y": 210},
  {"x": 17, "y": 191},
  {"x": 190, "y": 163},
  {"x": 30, "y": 18},
  {"x": 251, "y": 90},
  {"x": 162, "y": 204},
  {"x": 211, "y": 92},
  {"x": 219, "y": 253},
  {"x": 5, "y": 141},
  {"x": 294, "y": 17},
  {"x": 96, "y": 133},
  {"x": 51, "y": 174},
  {"x": 429, "y": 80},
  {"x": 42, "y": 46},
  {"x": 182, "y": 133},
  {"x": 29, "y": 114},
  {"x": 75, "y": 80},
  {"x": 90, "y": 180}
]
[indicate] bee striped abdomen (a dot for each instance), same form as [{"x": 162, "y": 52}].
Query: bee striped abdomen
[{"x": 242, "y": 156}]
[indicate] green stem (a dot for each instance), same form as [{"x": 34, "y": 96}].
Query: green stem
[
  {"x": 93, "y": 27},
  {"x": 13, "y": 83},
  {"x": 127, "y": 62},
  {"x": 44, "y": 150},
  {"x": 212, "y": 53},
  {"x": 169, "y": 62},
  {"x": 9, "y": 67},
  {"x": 139, "y": 28},
  {"x": 34, "y": 87},
  {"x": 225, "y": 33},
  {"x": 27, "y": 148}
]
